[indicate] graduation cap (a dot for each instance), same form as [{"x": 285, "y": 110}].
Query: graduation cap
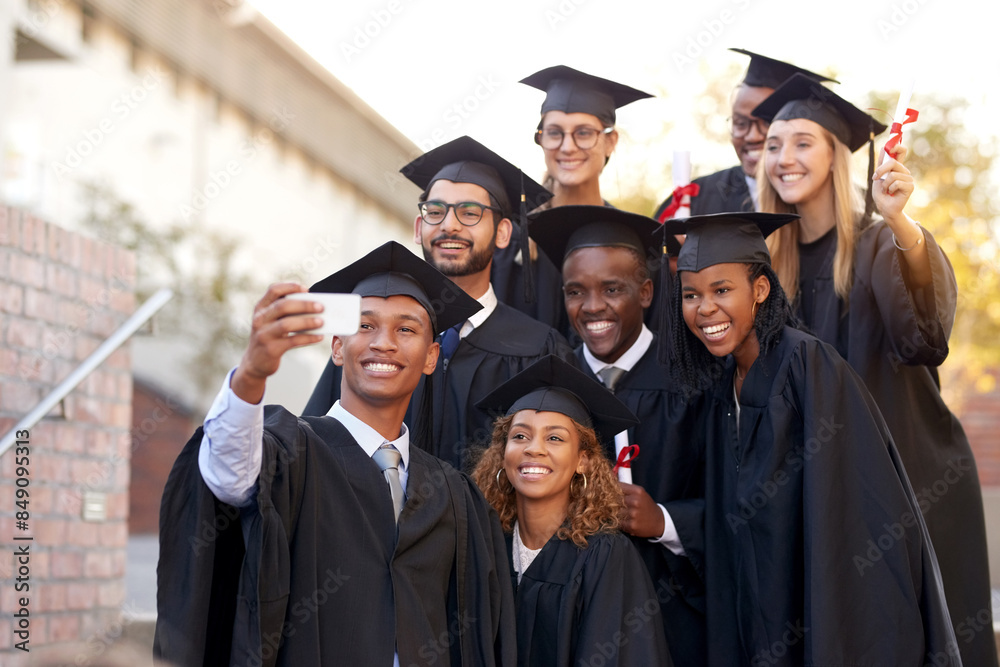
[
  {"x": 767, "y": 72},
  {"x": 572, "y": 91},
  {"x": 561, "y": 230},
  {"x": 392, "y": 270},
  {"x": 465, "y": 160},
  {"x": 553, "y": 385},
  {"x": 725, "y": 237},
  {"x": 801, "y": 97},
  {"x": 713, "y": 239}
]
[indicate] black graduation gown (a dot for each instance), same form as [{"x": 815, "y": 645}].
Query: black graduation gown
[
  {"x": 507, "y": 278},
  {"x": 504, "y": 345},
  {"x": 815, "y": 550},
  {"x": 670, "y": 468},
  {"x": 593, "y": 606},
  {"x": 722, "y": 192},
  {"x": 326, "y": 577},
  {"x": 895, "y": 336}
]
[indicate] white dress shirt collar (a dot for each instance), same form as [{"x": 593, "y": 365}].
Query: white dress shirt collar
[
  {"x": 628, "y": 359},
  {"x": 754, "y": 194},
  {"x": 370, "y": 439},
  {"x": 489, "y": 303}
]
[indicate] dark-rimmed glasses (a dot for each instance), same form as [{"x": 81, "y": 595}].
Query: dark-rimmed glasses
[
  {"x": 469, "y": 213},
  {"x": 585, "y": 138},
  {"x": 739, "y": 126}
]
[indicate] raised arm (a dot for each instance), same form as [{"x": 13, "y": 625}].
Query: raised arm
[{"x": 230, "y": 454}]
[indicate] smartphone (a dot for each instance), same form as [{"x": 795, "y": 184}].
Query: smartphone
[{"x": 341, "y": 312}]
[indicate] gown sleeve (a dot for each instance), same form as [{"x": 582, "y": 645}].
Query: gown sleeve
[{"x": 917, "y": 320}]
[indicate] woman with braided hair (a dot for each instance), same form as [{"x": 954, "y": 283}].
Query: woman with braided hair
[{"x": 812, "y": 544}]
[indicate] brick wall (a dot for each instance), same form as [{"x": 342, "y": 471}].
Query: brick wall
[
  {"x": 980, "y": 416},
  {"x": 161, "y": 425},
  {"x": 61, "y": 295}
]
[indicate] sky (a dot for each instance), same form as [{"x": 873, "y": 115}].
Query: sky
[{"x": 438, "y": 69}]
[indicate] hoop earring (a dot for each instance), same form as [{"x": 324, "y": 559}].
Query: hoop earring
[
  {"x": 499, "y": 470},
  {"x": 584, "y": 475},
  {"x": 753, "y": 311}
]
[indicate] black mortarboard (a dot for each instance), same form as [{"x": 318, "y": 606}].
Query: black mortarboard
[
  {"x": 801, "y": 97},
  {"x": 465, "y": 160},
  {"x": 559, "y": 231},
  {"x": 553, "y": 385},
  {"x": 571, "y": 91},
  {"x": 725, "y": 237},
  {"x": 767, "y": 72},
  {"x": 392, "y": 270}
]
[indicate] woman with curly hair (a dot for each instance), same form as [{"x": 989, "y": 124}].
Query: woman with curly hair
[
  {"x": 812, "y": 544},
  {"x": 881, "y": 290},
  {"x": 583, "y": 595}
]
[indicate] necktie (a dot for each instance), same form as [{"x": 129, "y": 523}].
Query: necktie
[
  {"x": 449, "y": 340},
  {"x": 610, "y": 376},
  {"x": 387, "y": 458}
]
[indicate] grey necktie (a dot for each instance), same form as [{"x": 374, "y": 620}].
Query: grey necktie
[
  {"x": 387, "y": 458},
  {"x": 610, "y": 376}
]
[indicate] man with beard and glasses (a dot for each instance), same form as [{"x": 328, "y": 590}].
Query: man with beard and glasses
[{"x": 469, "y": 196}]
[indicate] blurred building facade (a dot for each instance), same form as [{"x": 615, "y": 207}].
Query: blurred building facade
[{"x": 198, "y": 110}]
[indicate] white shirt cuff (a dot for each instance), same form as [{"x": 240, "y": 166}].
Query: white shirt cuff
[
  {"x": 231, "y": 448},
  {"x": 670, "y": 539}
]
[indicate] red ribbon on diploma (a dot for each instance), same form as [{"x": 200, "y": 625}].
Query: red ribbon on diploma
[
  {"x": 691, "y": 189},
  {"x": 896, "y": 130},
  {"x": 625, "y": 457}
]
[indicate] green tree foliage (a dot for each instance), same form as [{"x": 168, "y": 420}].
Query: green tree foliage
[
  {"x": 956, "y": 201},
  {"x": 199, "y": 265}
]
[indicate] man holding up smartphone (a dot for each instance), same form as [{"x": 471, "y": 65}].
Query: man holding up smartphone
[{"x": 330, "y": 540}]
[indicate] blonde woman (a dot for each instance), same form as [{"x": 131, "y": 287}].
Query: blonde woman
[
  {"x": 882, "y": 291},
  {"x": 582, "y": 592}
]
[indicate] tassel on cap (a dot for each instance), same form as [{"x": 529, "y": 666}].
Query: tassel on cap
[{"x": 525, "y": 243}]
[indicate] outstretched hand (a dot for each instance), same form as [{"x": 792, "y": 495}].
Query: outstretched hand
[
  {"x": 642, "y": 516},
  {"x": 276, "y": 328}
]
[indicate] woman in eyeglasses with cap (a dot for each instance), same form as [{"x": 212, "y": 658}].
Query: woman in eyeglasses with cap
[
  {"x": 812, "y": 544},
  {"x": 583, "y": 594},
  {"x": 882, "y": 291},
  {"x": 577, "y": 135}
]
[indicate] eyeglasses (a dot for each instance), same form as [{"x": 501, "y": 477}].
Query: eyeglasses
[
  {"x": 739, "y": 126},
  {"x": 585, "y": 138},
  {"x": 469, "y": 213}
]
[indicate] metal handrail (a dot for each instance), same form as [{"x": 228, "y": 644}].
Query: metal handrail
[{"x": 87, "y": 366}]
